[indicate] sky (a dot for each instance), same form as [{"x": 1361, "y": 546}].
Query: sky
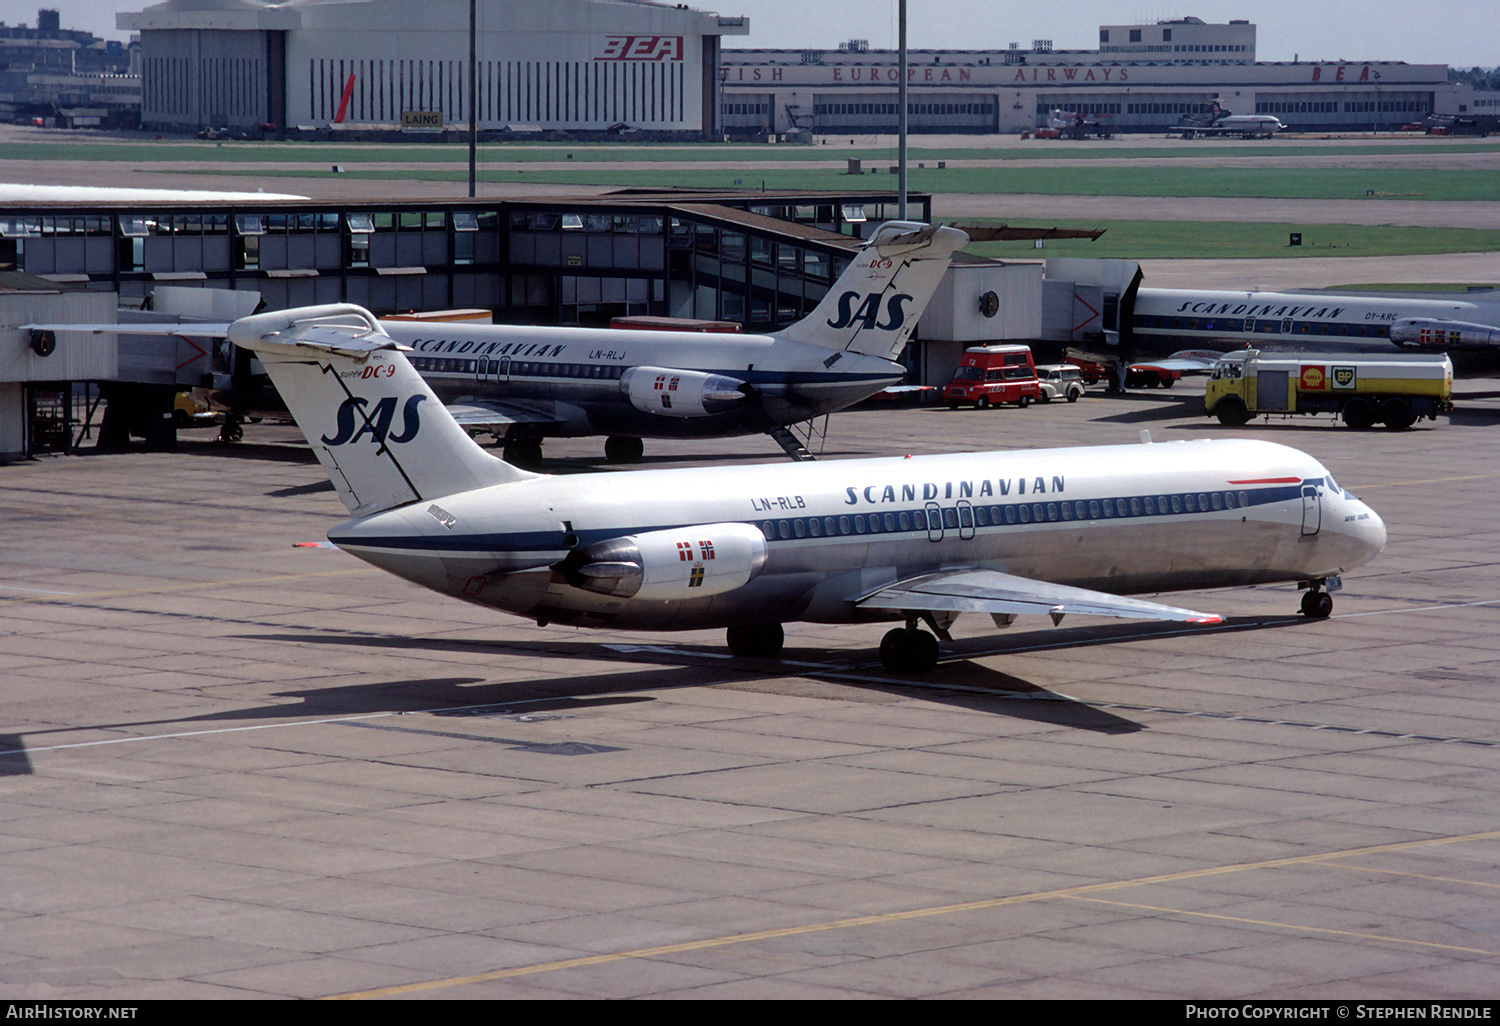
[{"x": 1460, "y": 33}]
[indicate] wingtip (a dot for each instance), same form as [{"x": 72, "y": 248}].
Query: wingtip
[{"x": 1202, "y": 620}]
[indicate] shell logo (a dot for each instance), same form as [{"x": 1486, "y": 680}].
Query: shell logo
[{"x": 1313, "y": 379}]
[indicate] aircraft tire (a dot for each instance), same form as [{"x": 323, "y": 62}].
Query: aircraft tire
[
  {"x": 524, "y": 453},
  {"x": 623, "y": 449},
  {"x": 908, "y": 651},
  {"x": 756, "y": 641},
  {"x": 1317, "y": 605}
]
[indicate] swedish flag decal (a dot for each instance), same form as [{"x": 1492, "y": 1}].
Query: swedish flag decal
[{"x": 695, "y": 579}]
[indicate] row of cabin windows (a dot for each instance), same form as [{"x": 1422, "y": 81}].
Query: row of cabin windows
[
  {"x": 517, "y": 368},
  {"x": 1283, "y": 326},
  {"x": 932, "y": 518}
]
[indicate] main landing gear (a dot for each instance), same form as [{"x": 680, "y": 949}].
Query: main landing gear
[
  {"x": 756, "y": 641},
  {"x": 908, "y": 650},
  {"x": 1317, "y": 603},
  {"x": 524, "y": 451},
  {"x": 623, "y": 449}
]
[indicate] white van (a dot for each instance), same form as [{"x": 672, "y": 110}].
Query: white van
[{"x": 1060, "y": 381}]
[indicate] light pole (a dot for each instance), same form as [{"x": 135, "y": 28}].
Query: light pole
[
  {"x": 901, "y": 106},
  {"x": 473, "y": 95}
]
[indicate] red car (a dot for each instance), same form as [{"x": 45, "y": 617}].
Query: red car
[{"x": 1092, "y": 372}]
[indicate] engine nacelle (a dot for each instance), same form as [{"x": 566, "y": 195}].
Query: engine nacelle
[
  {"x": 679, "y": 563},
  {"x": 1432, "y": 333},
  {"x": 680, "y": 393}
]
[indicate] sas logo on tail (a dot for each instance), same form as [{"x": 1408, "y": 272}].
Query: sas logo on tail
[
  {"x": 868, "y": 311},
  {"x": 377, "y": 423}
]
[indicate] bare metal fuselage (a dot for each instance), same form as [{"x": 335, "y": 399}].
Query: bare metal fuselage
[
  {"x": 570, "y": 378},
  {"x": 1120, "y": 519}
]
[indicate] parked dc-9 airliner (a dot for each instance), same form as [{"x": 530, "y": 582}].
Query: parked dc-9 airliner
[{"x": 916, "y": 540}]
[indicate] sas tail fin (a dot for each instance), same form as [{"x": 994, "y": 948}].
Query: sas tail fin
[
  {"x": 381, "y": 434},
  {"x": 874, "y": 305}
]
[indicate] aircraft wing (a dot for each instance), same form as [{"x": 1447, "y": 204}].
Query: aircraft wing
[
  {"x": 480, "y": 415},
  {"x": 974, "y": 590},
  {"x": 1188, "y": 361}
]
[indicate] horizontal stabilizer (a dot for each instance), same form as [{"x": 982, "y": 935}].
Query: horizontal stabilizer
[
  {"x": 989, "y": 591},
  {"x": 202, "y": 329},
  {"x": 341, "y": 328}
]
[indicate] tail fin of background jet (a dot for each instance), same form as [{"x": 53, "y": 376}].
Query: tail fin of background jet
[
  {"x": 381, "y": 434},
  {"x": 874, "y": 305}
]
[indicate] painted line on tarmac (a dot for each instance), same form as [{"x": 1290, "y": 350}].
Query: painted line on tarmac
[
  {"x": 1294, "y": 927},
  {"x": 1082, "y": 892}
]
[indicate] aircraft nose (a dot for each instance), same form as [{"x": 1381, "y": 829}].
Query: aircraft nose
[
  {"x": 1367, "y": 530},
  {"x": 1375, "y": 533}
]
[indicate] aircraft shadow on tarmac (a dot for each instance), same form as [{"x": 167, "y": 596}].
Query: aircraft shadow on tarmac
[
  {"x": 1163, "y": 408},
  {"x": 958, "y": 681}
]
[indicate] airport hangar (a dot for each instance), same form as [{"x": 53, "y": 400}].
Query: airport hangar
[
  {"x": 761, "y": 259},
  {"x": 575, "y": 65}
]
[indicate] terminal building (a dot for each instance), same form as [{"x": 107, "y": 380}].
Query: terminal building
[
  {"x": 761, "y": 259},
  {"x": 1143, "y": 78}
]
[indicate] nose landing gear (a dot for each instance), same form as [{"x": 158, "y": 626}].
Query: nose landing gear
[{"x": 1317, "y": 603}]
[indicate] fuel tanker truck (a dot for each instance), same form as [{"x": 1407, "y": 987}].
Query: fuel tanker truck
[{"x": 1360, "y": 389}]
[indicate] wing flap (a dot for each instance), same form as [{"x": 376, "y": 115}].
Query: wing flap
[
  {"x": 483, "y": 414},
  {"x": 989, "y": 591}
]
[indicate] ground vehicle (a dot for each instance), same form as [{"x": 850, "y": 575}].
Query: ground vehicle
[
  {"x": 1146, "y": 376},
  {"x": 990, "y": 375},
  {"x": 1361, "y": 389},
  {"x": 1092, "y": 372},
  {"x": 188, "y": 411},
  {"x": 1060, "y": 381}
]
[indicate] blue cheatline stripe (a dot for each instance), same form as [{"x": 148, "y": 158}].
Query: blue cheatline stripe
[{"x": 786, "y": 529}]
